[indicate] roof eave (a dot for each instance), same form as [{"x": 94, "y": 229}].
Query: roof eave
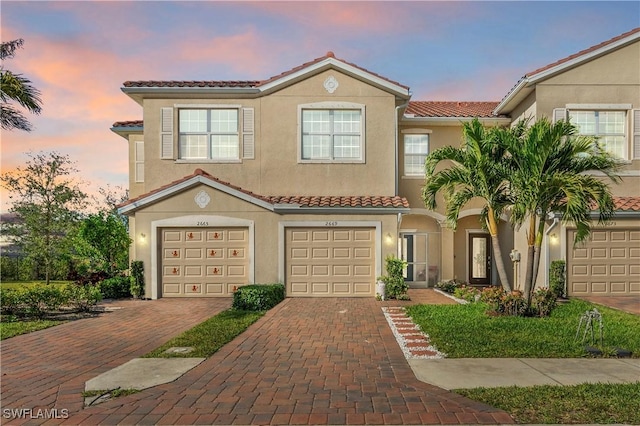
[
  {"x": 126, "y": 131},
  {"x": 328, "y": 63},
  {"x": 298, "y": 209},
  {"x": 454, "y": 121}
]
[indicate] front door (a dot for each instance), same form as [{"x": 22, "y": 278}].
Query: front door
[{"x": 479, "y": 259}]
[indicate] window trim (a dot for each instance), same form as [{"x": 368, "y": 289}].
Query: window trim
[
  {"x": 595, "y": 108},
  {"x": 208, "y": 108},
  {"x": 330, "y": 105},
  {"x": 421, "y": 132}
]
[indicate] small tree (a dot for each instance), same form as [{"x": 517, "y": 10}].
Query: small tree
[
  {"x": 103, "y": 241},
  {"x": 16, "y": 88},
  {"x": 47, "y": 202}
]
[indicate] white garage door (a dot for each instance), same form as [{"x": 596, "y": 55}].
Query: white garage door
[
  {"x": 607, "y": 264},
  {"x": 201, "y": 262},
  {"x": 330, "y": 261}
]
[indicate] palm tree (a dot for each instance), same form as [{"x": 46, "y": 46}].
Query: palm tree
[
  {"x": 478, "y": 171},
  {"x": 15, "y": 87},
  {"x": 549, "y": 174}
]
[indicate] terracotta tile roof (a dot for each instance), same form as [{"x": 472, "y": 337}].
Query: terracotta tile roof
[
  {"x": 322, "y": 58},
  {"x": 191, "y": 83},
  {"x": 451, "y": 109},
  {"x": 130, "y": 123},
  {"x": 583, "y": 52},
  {"x": 626, "y": 204},
  {"x": 380, "y": 201},
  {"x": 344, "y": 201},
  {"x": 249, "y": 83}
]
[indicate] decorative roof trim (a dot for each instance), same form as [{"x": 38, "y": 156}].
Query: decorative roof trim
[
  {"x": 541, "y": 74},
  {"x": 278, "y": 204}
]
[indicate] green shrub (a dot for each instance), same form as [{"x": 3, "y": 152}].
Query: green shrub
[
  {"x": 468, "y": 293},
  {"x": 557, "y": 277},
  {"x": 115, "y": 288},
  {"x": 137, "y": 279},
  {"x": 542, "y": 302},
  {"x": 395, "y": 286},
  {"x": 449, "y": 286},
  {"x": 11, "y": 302},
  {"x": 258, "y": 297},
  {"x": 492, "y": 296},
  {"x": 40, "y": 299},
  {"x": 83, "y": 297}
]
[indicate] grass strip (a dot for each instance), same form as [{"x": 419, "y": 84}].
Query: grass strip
[
  {"x": 584, "y": 404},
  {"x": 209, "y": 336},
  {"x": 11, "y": 329},
  {"x": 466, "y": 331}
]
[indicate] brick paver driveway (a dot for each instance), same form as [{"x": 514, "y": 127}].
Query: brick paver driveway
[{"x": 311, "y": 361}]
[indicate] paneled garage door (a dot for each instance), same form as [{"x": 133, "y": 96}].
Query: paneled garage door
[
  {"x": 607, "y": 264},
  {"x": 330, "y": 261},
  {"x": 204, "y": 261}
]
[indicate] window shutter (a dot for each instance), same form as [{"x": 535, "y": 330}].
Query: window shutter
[
  {"x": 139, "y": 161},
  {"x": 559, "y": 114},
  {"x": 636, "y": 133},
  {"x": 166, "y": 133},
  {"x": 248, "y": 133}
]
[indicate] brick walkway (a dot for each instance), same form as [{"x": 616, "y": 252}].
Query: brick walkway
[
  {"x": 47, "y": 369},
  {"x": 630, "y": 304},
  {"x": 308, "y": 361}
]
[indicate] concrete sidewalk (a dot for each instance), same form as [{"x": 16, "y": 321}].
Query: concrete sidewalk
[{"x": 466, "y": 373}]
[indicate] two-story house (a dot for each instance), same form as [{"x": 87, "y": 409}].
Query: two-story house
[{"x": 313, "y": 177}]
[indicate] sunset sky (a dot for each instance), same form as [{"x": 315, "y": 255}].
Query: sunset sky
[{"x": 79, "y": 53}]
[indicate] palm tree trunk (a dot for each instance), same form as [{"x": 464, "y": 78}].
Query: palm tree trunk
[
  {"x": 502, "y": 272},
  {"x": 537, "y": 252},
  {"x": 530, "y": 257},
  {"x": 492, "y": 224}
]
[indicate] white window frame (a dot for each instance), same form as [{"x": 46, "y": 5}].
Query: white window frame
[
  {"x": 331, "y": 106},
  {"x": 414, "y": 132},
  {"x": 138, "y": 154},
  {"x": 209, "y": 133},
  {"x": 596, "y": 108}
]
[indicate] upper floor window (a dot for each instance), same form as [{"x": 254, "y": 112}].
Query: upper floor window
[
  {"x": 416, "y": 149},
  {"x": 332, "y": 134},
  {"x": 209, "y": 134},
  {"x": 608, "y": 126}
]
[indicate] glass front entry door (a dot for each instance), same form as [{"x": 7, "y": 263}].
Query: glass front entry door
[
  {"x": 479, "y": 259},
  {"x": 421, "y": 251}
]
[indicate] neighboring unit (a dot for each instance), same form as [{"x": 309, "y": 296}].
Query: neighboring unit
[{"x": 314, "y": 176}]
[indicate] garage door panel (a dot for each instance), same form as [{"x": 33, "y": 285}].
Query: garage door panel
[
  {"x": 328, "y": 262},
  {"x": 321, "y": 288},
  {"x": 608, "y": 263},
  {"x": 343, "y": 288},
  {"x": 364, "y": 288},
  {"x": 234, "y": 271},
  {"x": 192, "y": 237},
  {"x": 342, "y": 253},
  {"x": 203, "y": 261},
  {"x": 194, "y": 253},
  {"x": 171, "y": 289},
  {"x": 320, "y": 253}
]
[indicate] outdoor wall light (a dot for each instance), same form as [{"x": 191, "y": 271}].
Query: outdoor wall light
[
  {"x": 388, "y": 238},
  {"x": 553, "y": 238},
  {"x": 142, "y": 238}
]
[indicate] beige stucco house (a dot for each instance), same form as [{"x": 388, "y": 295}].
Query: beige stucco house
[{"x": 312, "y": 177}]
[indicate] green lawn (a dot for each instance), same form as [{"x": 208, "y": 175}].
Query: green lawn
[
  {"x": 11, "y": 329},
  {"x": 586, "y": 403},
  {"x": 466, "y": 331},
  {"x": 209, "y": 336}
]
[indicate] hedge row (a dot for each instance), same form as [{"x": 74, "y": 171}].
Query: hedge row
[
  {"x": 39, "y": 300},
  {"x": 258, "y": 297}
]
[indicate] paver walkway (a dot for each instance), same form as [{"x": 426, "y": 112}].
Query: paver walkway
[
  {"x": 47, "y": 369},
  {"x": 308, "y": 361},
  {"x": 630, "y": 304}
]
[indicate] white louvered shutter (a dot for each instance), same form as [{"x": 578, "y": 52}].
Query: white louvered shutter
[
  {"x": 248, "y": 134},
  {"x": 559, "y": 114},
  {"x": 166, "y": 134},
  {"x": 139, "y": 161},
  {"x": 636, "y": 133}
]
